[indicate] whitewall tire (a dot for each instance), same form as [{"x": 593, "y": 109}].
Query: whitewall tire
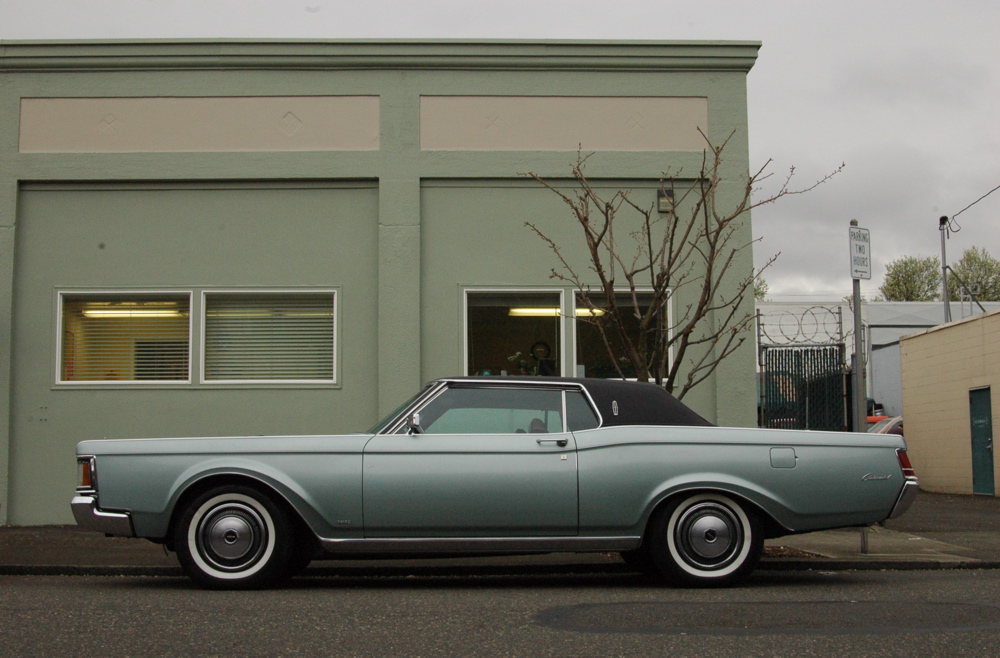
[
  {"x": 233, "y": 537},
  {"x": 705, "y": 540}
]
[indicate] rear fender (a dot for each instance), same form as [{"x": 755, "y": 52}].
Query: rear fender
[{"x": 770, "y": 509}]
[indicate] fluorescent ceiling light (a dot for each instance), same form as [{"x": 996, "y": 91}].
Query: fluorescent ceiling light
[
  {"x": 132, "y": 313},
  {"x": 533, "y": 312},
  {"x": 549, "y": 311}
]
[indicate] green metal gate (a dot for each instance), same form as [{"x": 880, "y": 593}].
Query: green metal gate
[{"x": 803, "y": 387}]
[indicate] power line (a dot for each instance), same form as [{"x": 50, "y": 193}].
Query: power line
[{"x": 975, "y": 202}]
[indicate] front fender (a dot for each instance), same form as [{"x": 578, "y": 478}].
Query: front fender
[{"x": 325, "y": 492}]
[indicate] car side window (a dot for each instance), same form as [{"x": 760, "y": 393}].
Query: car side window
[
  {"x": 579, "y": 414},
  {"x": 500, "y": 410}
]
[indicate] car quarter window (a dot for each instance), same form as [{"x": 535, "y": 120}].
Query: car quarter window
[
  {"x": 579, "y": 414},
  {"x": 500, "y": 410}
]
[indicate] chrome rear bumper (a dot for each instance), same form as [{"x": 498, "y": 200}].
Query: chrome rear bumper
[
  {"x": 88, "y": 516},
  {"x": 906, "y": 497}
]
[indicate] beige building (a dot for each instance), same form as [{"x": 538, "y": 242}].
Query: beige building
[{"x": 951, "y": 383}]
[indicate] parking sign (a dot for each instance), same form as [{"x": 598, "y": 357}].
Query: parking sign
[{"x": 861, "y": 255}]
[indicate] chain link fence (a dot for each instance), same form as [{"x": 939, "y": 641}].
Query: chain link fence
[{"x": 802, "y": 383}]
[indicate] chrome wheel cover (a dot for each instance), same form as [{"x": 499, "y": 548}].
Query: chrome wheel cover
[
  {"x": 232, "y": 536},
  {"x": 708, "y": 534}
]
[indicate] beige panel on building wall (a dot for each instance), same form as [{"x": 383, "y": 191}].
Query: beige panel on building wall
[
  {"x": 549, "y": 123},
  {"x": 939, "y": 367},
  {"x": 129, "y": 125}
]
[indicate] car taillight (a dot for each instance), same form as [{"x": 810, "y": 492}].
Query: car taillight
[
  {"x": 86, "y": 479},
  {"x": 904, "y": 463}
]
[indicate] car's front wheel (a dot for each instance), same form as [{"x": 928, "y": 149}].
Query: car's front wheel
[
  {"x": 234, "y": 537},
  {"x": 705, "y": 540}
]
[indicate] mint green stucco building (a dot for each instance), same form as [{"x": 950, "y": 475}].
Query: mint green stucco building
[{"x": 229, "y": 238}]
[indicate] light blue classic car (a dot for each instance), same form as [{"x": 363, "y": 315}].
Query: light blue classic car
[{"x": 494, "y": 465}]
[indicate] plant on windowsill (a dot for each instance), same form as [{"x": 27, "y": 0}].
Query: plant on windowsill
[{"x": 519, "y": 366}]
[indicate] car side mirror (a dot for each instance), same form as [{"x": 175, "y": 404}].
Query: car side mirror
[{"x": 413, "y": 424}]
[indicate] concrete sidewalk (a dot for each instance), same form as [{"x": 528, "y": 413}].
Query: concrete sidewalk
[{"x": 939, "y": 532}]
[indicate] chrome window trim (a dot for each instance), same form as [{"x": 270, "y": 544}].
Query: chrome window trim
[{"x": 394, "y": 426}]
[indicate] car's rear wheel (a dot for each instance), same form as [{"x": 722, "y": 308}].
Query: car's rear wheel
[
  {"x": 705, "y": 540},
  {"x": 234, "y": 537}
]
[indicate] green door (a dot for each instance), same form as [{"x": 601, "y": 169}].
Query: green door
[{"x": 981, "y": 419}]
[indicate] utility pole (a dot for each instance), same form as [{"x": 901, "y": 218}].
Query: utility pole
[{"x": 943, "y": 227}]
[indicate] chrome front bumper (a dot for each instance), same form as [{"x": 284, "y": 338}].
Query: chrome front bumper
[
  {"x": 906, "y": 497},
  {"x": 88, "y": 516}
]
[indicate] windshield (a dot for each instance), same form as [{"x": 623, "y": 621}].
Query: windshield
[{"x": 381, "y": 425}]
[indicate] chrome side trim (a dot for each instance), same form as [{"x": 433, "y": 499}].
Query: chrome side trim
[
  {"x": 88, "y": 516},
  {"x": 482, "y": 545},
  {"x": 906, "y": 497}
]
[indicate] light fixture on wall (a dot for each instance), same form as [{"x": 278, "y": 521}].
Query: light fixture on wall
[{"x": 664, "y": 200}]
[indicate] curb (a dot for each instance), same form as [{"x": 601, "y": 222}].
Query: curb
[
  {"x": 833, "y": 564},
  {"x": 48, "y": 570}
]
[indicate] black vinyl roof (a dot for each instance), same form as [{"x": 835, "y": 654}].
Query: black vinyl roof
[{"x": 619, "y": 402}]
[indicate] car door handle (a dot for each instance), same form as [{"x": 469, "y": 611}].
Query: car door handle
[{"x": 559, "y": 442}]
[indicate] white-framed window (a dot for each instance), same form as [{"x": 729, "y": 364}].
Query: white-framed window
[
  {"x": 533, "y": 331},
  {"x": 115, "y": 337},
  {"x": 514, "y": 331},
  {"x": 253, "y": 337},
  {"x": 592, "y": 358},
  {"x": 269, "y": 336}
]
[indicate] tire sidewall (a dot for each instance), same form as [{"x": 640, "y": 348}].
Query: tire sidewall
[
  {"x": 668, "y": 556},
  {"x": 266, "y": 570}
]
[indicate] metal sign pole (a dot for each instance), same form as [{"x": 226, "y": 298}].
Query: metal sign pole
[
  {"x": 860, "y": 395},
  {"x": 860, "y": 269}
]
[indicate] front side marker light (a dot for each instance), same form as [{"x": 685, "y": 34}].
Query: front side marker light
[{"x": 85, "y": 468}]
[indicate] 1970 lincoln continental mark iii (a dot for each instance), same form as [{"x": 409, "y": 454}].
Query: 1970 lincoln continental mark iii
[{"x": 495, "y": 465}]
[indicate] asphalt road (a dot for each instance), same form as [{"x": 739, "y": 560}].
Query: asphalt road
[{"x": 857, "y": 613}]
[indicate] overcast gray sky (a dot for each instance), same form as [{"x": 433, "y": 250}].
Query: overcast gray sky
[{"x": 906, "y": 93}]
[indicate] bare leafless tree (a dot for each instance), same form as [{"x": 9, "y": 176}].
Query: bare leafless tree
[{"x": 643, "y": 257}]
